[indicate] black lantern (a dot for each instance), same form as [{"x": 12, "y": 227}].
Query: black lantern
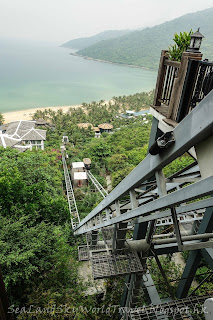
[{"x": 195, "y": 43}]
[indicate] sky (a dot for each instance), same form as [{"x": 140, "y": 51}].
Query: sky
[{"x": 59, "y": 21}]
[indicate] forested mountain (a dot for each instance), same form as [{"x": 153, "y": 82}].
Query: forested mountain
[
  {"x": 143, "y": 48},
  {"x": 81, "y": 43}
]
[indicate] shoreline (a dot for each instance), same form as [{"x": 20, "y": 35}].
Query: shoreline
[
  {"x": 27, "y": 114},
  {"x": 110, "y": 62}
]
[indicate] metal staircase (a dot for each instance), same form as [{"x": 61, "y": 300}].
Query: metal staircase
[{"x": 149, "y": 201}]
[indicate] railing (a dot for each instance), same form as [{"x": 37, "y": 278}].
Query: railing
[
  {"x": 175, "y": 83},
  {"x": 203, "y": 82},
  {"x": 192, "y": 130},
  {"x": 167, "y": 72},
  {"x": 197, "y": 84},
  {"x": 171, "y": 69}
]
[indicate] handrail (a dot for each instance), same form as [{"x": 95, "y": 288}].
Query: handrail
[
  {"x": 171, "y": 69},
  {"x": 175, "y": 64}
]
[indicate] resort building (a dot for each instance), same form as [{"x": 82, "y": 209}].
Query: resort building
[
  {"x": 105, "y": 127},
  {"x": 42, "y": 124},
  {"x": 7, "y": 141},
  {"x": 22, "y": 135}
]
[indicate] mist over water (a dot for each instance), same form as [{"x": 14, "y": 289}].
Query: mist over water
[{"x": 44, "y": 75}]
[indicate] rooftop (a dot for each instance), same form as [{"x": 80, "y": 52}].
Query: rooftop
[
  {"x": 6, "y": 141},
  {"x": 85, "y": 125},
  {"x": 107, "y": 126},
  {"x": 25, "y": 130}
]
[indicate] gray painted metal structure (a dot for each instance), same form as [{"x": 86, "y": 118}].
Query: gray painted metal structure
[
  {"x": 156, "y": 201},
  {"x": 196, "y": 127}
]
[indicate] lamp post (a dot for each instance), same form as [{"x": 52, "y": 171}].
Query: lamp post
[{"x": 195, "y": 43}]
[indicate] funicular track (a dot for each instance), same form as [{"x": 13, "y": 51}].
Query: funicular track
[
  {"x": 97, "y": 184},
  {"x": 74, "y": 216},
  {"x": 145, "y": 200}
]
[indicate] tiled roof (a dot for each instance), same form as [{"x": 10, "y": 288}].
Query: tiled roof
[
  {"x": 42, "y": 133},
  {"x": 11, "y": 129},
  {"x": 96, "y": 129},
  {"x": 6, "y": 141},
  {"x": 107, "y": 126},
  {"x": 85, "y": 125},
  {"x": 34, "y": 134},
  {"x": 17, "y": 128}
]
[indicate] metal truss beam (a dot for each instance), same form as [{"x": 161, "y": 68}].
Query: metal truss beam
[
  {"x": 207, "y": 254},
  {"x": 195, "y": 256},
  {"x": 198, "y": 189},
  {"x": 196, "y": 127}
]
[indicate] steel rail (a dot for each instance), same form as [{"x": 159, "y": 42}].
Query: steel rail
[
  {"x": 198, "y": 189},
  {"x": 74, "y": 216},
  {"x": 97, "y": 184}
]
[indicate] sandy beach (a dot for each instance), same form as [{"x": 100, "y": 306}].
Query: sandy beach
[{"x": 28, "y": 113}]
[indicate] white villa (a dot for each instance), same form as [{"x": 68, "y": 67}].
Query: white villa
[{"x": 23, "y": 135}]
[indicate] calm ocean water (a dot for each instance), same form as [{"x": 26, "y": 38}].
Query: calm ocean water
[{"x": 43, "y": 75}]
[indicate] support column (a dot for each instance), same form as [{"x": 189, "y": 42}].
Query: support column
[
  {"x": 205, "y": 157},
  {"x": 140, "y": 231},
  {"x": 194, "y": 258}
]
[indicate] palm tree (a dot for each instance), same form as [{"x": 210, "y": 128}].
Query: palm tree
[{"x": 1, "y": 118}]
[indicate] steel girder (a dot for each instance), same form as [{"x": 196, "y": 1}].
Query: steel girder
[{"x": 196, "y": 127}]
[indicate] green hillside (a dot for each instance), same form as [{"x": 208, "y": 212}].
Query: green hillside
[
  {"x": 81, "y": 43},
  {"x": 143, "y": 48}
]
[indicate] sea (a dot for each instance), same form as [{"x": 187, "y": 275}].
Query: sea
[{"x": 40, "y": 74}]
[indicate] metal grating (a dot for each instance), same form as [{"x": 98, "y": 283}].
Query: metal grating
[
  {"x": 108, "y": 232},
  {"x": 190, "y": 308},
  {"x": 84, "y": 251},
  {"x": 89, "y": 238},
  {"x": 108, "y": 266}
]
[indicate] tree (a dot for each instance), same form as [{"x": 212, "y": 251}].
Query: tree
[{"x": 1, "y": 118}]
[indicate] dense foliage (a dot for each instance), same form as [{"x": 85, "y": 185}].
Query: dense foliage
[
  {"x": 37, "y": 260},
  {"x": 38, "y": 251},
  {"x": 113, "y": 154},
  {"x": 38, "y": 254},
  {"x": 142, "y": 48}
]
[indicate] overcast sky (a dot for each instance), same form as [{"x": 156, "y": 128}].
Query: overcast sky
[{"x": 62, "y": 20}]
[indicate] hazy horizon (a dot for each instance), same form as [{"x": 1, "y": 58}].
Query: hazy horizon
[{"x": 57, "y": 21}]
